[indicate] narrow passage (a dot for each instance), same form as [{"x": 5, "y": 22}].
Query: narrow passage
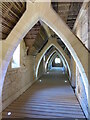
[{"x": 49, "y": 97}]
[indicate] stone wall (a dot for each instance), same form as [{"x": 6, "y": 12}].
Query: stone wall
[
  {"x": 89, "y": 25},
  {"x": 17, "y": 80},
  {"x": 80, "y": 92},
  {"x": 82, "y": 28}
]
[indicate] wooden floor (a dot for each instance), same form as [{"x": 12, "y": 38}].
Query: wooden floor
[{"x": 49, "y": 97}]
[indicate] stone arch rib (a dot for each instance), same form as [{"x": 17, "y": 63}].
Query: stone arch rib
[
  {"x": 79, "y": 53},
  {"x": 27, "y": 21},
  {"x": 51, "y": 42}
]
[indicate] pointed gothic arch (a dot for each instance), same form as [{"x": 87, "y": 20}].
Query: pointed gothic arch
[
  {"x": 51, "y": 60},
  {"x": 27, "y": 21},
  {"x": 55, "y": 51},
  {"x": 51, "y": 43}
]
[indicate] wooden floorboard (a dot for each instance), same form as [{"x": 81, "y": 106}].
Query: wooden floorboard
[{"x": 50, "y": 98}]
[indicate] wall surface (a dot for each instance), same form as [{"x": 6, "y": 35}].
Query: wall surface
[
  {"x": 17, "y": 80},
  {"x": 80, "y": 92},
  {"x": 89, "y": 25},
  {"x": 82, "y": 29}
]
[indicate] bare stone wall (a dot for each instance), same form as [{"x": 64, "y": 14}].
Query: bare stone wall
[
  {"x": 80, "y": 92},
  {"x": 82, "y": 29},
  {"x": 89, "y": 25},
  {"x": 17, "y": 80}
]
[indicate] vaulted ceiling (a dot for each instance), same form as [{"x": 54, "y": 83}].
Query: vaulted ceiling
[{"x": 37, "y": 37}]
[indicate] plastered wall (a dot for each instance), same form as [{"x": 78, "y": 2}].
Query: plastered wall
[{"x": 17, "y": 80}]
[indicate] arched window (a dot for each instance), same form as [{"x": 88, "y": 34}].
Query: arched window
[
  {"x": 16, "y": 58},
  {"x": 57, "y": 60}
]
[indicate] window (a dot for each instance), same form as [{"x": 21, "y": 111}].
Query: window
[
  {"x": 16, "y": 58},
  {"x": 57, "y": 60}
]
